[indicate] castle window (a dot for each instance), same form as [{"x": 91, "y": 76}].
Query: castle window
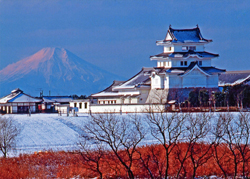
[
  {"x": 185, "y": 63},
  {"x": 85, "y": 105},
  {"x": 80, "y": 105},
  {"x": 181, "y": 63},
  {"x": 192, "y": 48},
  {"x": 200, "y": 63},
  {"x": 184, "y": 48},
  {"x": 169, "y": 48},
  {"x": 75, "y": 105}
]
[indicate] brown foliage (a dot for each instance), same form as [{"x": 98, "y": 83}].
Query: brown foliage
[{"x": 149, "y": 162}]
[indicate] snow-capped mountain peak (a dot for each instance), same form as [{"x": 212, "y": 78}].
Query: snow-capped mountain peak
[{"x": 55, "y": 69}]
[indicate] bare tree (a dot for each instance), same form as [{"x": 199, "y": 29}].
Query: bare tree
[
  {"x": 197, "y": 128},
  {"x": 219, "y": 148},
  {"x": 232, "y": 136},
  {"x": 145, "y": 161},
  {"x": 92, "y": 156},
  {"x": 121, "y": 134},
  {"x": 167, "y": 129},
  {"x": 243, "y": 139},
  {"x": 8, "y": 134}
]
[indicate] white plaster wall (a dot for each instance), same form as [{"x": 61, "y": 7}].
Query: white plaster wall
[
  {"x": 194, "y": 79},
  {"x": 206, "y": 63},
  {"x": 177, "y": 62},
  {"x": 178, "y": 48},
  {"x": 126, "y": 100},
  {"x": 157, "y": 81},
  {"x": 175, "y": 81},
  {"x": 168, "y": 37},
  {"x": 134, "y": 100},
  {"x": 125, "y": 108},
  {"x": 83, "y": 109},
  {"x": 166, "y": 82},
  {"x": 212, "y": 81},
  {"x": 168, "y": 49},
  {"x": 144, "y": 95}
]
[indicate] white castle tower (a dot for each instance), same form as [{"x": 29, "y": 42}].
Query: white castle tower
[{"x": 184, "y": 61}]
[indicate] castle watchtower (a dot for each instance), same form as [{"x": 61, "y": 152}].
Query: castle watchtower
[{"x": 185, "y": 61}]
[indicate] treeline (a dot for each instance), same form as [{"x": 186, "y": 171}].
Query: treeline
[
  {"x": 238, "y": 95},
  {"x": 183, "y": 145}
]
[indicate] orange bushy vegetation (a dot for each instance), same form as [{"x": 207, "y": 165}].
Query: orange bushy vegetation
[{"x": 149, "y": 162}]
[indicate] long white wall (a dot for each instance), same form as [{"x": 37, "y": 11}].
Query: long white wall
[{"x": 125, "y": 108}]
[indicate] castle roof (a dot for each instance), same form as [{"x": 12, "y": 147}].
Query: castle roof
[
  {"x": 139, "y": 80},
  {"x": 186, "y": 35},
  {"x": 186, "y": 54}
]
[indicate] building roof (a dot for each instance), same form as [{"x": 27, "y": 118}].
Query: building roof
[
  {"x": 17, "y": 96},
  {"x": 234, "y": 78},
  {"x": 190, "y": 53},
  {"x": 140, "y": 79},
  {"x": 57, "y": 99},
  {"x": 185, "y": 70},
  {"x": 116, "y": 93},
  {"x": 185, "y": 35},
  {"x": 114, "y": 84}
]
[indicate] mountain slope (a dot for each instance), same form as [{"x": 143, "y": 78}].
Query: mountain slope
[{"x": 56, "y": 70}]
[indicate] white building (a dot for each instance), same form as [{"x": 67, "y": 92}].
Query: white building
[
  {"x": 19, "y": 102},
  {"x": 182, "y": 66},
  {"x": 185, "y": 62}
]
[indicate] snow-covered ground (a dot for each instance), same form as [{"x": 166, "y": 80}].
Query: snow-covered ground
[
  {"x": 47, "y": 132},
  {"x": 53, "y": 132},
  {"x": 43, "y": 132}
]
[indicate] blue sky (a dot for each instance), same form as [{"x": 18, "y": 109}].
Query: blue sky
[{"x": 120, "y": 35}]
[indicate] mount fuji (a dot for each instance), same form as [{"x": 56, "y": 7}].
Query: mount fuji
[{"x": 56, "y": 70}]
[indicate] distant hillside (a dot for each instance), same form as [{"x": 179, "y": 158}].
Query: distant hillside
[{"x": 56, "y": 70}]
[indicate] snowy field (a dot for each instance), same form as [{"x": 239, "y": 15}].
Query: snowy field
[
  {"x": 42, "y": 132},
  {"x": 52, "y": 132},
  {"x": 47, "y": 132}
]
